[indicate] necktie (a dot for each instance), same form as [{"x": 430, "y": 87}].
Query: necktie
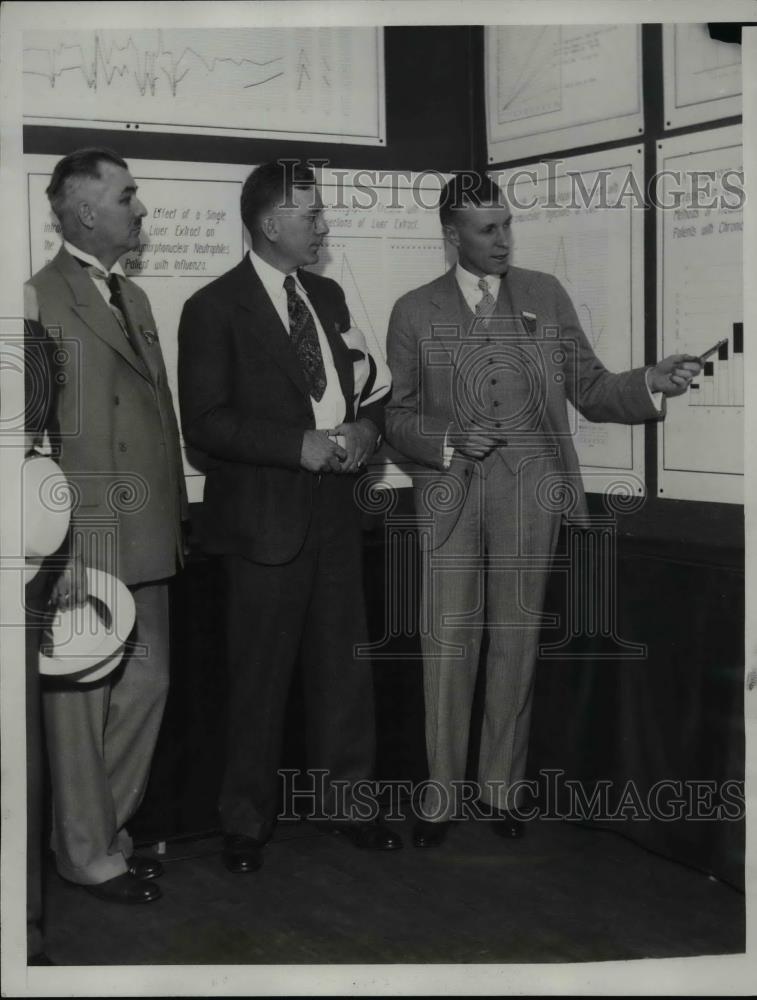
[
  {"x": 487, "y": 303},
  {"x": 304, "y": 337},
  {"x": 117, "y": 305}
]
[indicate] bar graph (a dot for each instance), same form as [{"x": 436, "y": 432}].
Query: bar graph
[
  {"x": 700, "y": 269},
  {"x": 721, "y": 382}
]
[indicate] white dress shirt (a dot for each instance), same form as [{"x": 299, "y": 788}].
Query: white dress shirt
[
  {"x": 330, "y": 410},
  {"x": 468, "y": 284},
  {"x": 97, "y": 271}
]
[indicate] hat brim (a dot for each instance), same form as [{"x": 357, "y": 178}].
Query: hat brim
[{"x": 85, "y": 647}]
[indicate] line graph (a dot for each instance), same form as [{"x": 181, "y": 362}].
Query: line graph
[
  {"x": 313, "y": 83},
  {"x": 530, "y": 76},
  {"x": 144, "y": 66},
  {"x": 586, "y": 312}
]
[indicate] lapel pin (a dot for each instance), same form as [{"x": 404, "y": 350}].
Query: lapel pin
[
  {"x": 150, "y": 336},
  {"x": 529, "y": 319}
]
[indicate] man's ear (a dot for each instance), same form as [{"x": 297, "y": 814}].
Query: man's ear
[
  {"x": 85, "y": 214},
  {"x": 269, "y": 227},
  {"x": 451, "y": 235}
]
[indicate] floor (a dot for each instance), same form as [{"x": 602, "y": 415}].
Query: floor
[{"x": 563, "y": 893}]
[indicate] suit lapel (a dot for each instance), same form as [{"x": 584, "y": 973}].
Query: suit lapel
[
  {"x": 450, "y": 320},
  {"x": 92, "y": 310},
  {"x": 134, "y": 316},
  {"x": 519, "y": 286},
  {"x": 265, "y": 324},
  {"x": 528, "y": 308},
  {"x": 342, "y": 363}
]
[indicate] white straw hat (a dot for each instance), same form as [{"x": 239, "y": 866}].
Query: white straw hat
[{"x": 87, "y": 642}]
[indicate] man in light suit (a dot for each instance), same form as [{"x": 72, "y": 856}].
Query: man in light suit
[
  {"x": 119, "y": 447},
  {"x": 266, "y": 385},
  {"x": 483, "y": 361}
]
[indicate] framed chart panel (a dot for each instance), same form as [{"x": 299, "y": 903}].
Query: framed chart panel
[
  {"x": 559, "y": 86},
  {"x": 701, "y": 76},
  {"x": 700, "y": 452}
]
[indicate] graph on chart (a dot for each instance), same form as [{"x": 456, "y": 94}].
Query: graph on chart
[
  {"x": 705, "y": 67},
  {"x": 594, "y": 253},
  {"x": 356, "y": 263},
  {"x": 701, "y": 75},
  {"x": 530, "y": 79},
  {"x": 545, "y": 81},
  {"x": 721, "y": 382},
  {"x": 587, "y": 285},
  {"x": 383, "y": 242},
  {"x": 299, "y": 81},
  {"x": 700, "y": 262}
]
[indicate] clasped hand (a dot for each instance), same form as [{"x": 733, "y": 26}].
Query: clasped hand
[{"x": 322, "y": 453}]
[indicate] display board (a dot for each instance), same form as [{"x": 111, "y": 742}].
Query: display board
[
  {"x": 321, "y": 84},
  {"x": 700, "y": 451},
  {"x": 561, "y": 86},
  {"x": 385, "y": 239},
  {"x": 701, "y": 75},
  {"x": 581, "y": 219}
]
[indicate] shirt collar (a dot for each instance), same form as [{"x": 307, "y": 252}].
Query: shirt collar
[
  {"x": 468, "y": 282},
  {"x": 87, "y": 258},
  {"x": 272, "y": 277}
]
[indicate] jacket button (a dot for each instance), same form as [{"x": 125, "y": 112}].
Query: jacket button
[
  {"x": 122, "y": 446},
  {"x": 116, "y": 400},
  {"x": 495, "y": 403}
]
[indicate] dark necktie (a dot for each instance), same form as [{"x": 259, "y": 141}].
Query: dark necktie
[
  {"x": 304, "y": 337},
  {"x": 117, "y": 305}
]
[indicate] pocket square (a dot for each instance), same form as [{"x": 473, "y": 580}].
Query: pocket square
[{"x": 529, "y": 321}]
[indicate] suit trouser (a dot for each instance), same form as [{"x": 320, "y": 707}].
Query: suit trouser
[
  {"x": 311, "y": 607},
  {"x": 489, "y": 574},
  {"x": 100, "y": 741}
]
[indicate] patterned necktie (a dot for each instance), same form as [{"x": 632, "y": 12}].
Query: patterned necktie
[
  {"x": 487, "y": 303},
  {"x": 304, "y": 337}
]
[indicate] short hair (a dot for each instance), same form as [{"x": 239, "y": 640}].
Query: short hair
[
  {"x": 465, "y": 189},
  {"x": 81, "y": 163},
  {"x": 271, "y": 184}
]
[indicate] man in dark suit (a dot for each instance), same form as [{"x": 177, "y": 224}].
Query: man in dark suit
[
  {"x": 118, "y": 445},
  {"x": 266, "y": 391},
  {"x": 483, "y": 362}
]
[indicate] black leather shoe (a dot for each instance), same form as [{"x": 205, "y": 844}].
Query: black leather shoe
[
  {"x": 242, "y": 854},
  {"x": 505, "y": 825},
  {"x": 427, "y": 834},
  {"x": 125, "y": 888},
  {"x": 144, "y": 868},
  {"x": 368, "y": 836}
]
